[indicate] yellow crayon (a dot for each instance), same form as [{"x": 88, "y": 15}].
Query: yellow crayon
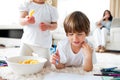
[{"x": 31, "y": 13}]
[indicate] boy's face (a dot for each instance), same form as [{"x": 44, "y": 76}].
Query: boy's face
[{"x": 76, "y": 39}]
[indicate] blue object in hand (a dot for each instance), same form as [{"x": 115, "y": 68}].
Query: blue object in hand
[{"x": 53, "y": 51}]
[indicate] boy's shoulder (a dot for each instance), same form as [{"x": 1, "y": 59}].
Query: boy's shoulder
[
  {"x": 63, "y": 42},
  {"x": 50, "y": 6}
]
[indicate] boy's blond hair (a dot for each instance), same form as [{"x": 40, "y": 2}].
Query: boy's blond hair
[{"x": 77, "y": 22}]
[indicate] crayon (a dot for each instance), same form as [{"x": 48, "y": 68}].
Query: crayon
[{"x": 113, "y": 75}]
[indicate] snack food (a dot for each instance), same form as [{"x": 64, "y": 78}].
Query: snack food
[
  {"x": 29, "y": 61},
  {"x": 31, "y": 13}
]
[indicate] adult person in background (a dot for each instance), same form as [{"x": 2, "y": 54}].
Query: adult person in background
[
  {"x": 36, "y": 37},
  {"x": 101, "y": 32}
]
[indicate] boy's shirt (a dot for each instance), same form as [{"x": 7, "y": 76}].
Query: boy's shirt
[
  {"x": 32, "y": 33},
  {"x": 67, "y": 56}
]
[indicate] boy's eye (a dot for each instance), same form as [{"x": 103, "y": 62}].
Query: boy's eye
[{"x": 79, "y": 34}]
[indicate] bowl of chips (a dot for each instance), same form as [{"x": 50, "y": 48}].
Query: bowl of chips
[{"x": 26, "y": 64}]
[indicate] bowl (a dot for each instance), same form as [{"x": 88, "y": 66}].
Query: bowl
[{"x": 18, "y": 68}]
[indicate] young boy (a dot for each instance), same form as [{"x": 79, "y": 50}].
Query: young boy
[
  {"x": 37, "y": 37},
  {"x": 75, "y": 49}
]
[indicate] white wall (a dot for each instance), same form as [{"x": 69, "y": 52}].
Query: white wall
[
  {"x": 92, "y": 8},
  {"x": 9, "y": 13},
  {"x": 10, "y": 42}
]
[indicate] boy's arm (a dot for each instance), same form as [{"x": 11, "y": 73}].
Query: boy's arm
[
  {"x": 48, "y": 26},
  {"x": 23, "y": 14},
  {"x": 53, "y": 26},
  {"x": 88, "y": 52},
  {"x": 25, "y": 19},
  {"x": 55, "y": 59},
  {"x": 88, "y": 65}
]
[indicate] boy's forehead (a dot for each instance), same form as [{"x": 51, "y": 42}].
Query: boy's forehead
[{"x": 77, "y": 32}]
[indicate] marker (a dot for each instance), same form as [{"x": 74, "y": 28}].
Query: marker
[
  {"x": 108, "y": 69},
  {"x": 3, "y": 63},
  {"x": 99, "y": 75},
  {"x": 113, "y": 75},
  {"x": 116, "y": 71},
  {"x": 53, "y": 51}
]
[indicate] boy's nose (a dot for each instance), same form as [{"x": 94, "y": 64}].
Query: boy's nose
[{"x": 75, "y": 37}]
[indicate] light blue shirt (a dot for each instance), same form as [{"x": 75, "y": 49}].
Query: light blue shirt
[{"x": 106, "y": 24}]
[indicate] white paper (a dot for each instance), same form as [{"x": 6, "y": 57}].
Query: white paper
[{"x": 70, "y": 76}]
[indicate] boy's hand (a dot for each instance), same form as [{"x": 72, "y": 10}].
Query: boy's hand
[
  {"x": 44, "y": 26},
  {"x": 30, "y": 20},
  {"x": 55, "y": 58},
  {"x": 87, "y": 49}
]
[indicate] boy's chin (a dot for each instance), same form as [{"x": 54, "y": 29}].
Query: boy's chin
[{"x": 76, "y": 45}]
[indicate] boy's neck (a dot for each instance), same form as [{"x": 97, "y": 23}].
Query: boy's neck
[{"x": 75, "y": 49}]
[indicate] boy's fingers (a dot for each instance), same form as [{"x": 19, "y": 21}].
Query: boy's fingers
[
  {"x": 57, "y": 53},
  {"x": 83, "y": 43},
  {"x": 53, "y": 62},
  {"x": 42, "y": 24}
]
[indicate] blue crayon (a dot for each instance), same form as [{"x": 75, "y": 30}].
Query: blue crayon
[
  {"x": 108, "y": 69},
  {"x": 53, "y": 51}
]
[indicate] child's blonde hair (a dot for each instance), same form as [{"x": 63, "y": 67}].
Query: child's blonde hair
[{"x": 77, "y": 22}]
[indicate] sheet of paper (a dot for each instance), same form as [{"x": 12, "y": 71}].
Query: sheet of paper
[{"x": 70, "y": 76}]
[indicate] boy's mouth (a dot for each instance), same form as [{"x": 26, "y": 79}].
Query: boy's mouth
[{"x": 76, "y": 43}]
